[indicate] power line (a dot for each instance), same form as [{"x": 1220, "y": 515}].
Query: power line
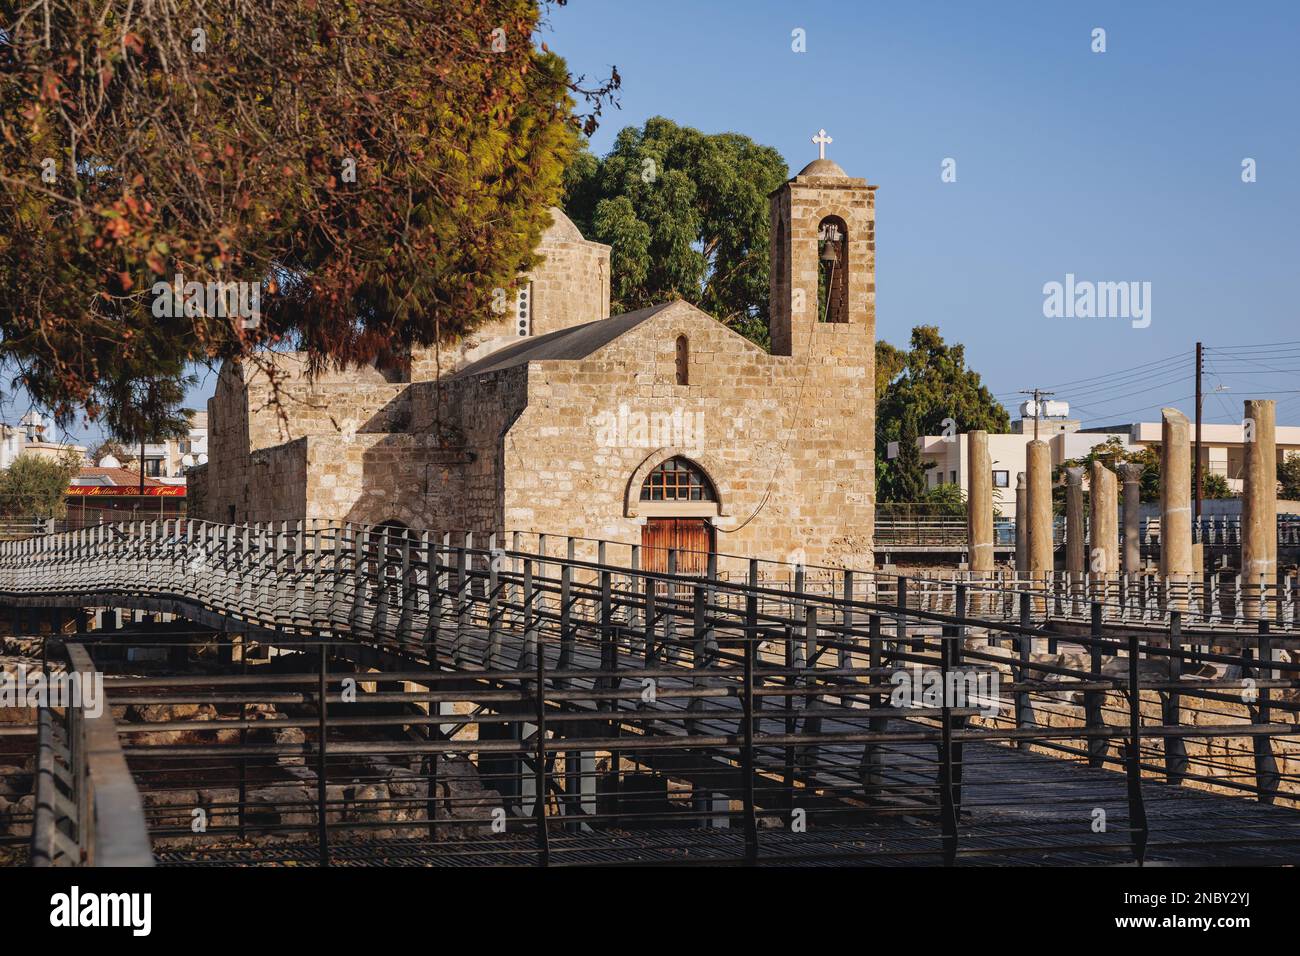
[
  {"x": 1144, "y": 368},
  {"x": 1133, "y": 411},
  {"x": 1262, "y": 345},
  {"x": 1038, "y": 394},
  {"x": 1166, "y": 383}
]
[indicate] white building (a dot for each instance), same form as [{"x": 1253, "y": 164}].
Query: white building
[
  {"x": 29, "y": 438},
  {"x": 946, "y": 456},
  {"x": 166, "y": 461}
]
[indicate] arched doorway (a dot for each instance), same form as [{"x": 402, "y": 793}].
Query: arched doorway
[{"x": 677, "y": 498}]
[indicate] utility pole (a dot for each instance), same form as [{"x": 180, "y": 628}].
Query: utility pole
[
  {"x": 1039, "y": 395},
  {"x": 1196, "y": 459}
]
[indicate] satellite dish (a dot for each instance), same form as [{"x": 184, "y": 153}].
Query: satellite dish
[{"x": 108, "y": 461}]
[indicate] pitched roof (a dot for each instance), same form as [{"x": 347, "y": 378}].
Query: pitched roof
[
  {"x": 575, "y": 342},
  {"x": 112, "y": 476}
]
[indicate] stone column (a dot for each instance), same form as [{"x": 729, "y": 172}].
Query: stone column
[
  {"x": 1258, "y": 506},
  {"x": 1022, "y": 525},
  {"x": 1175, "y": 502},
  {"x": 1112, "y": 521},
  {"x": 1132, "y": 475},
  {"x": 1075, "y": 552},
  {"x": 1103, "y": 554},
  {"x": 979, "y": 502},
  {"x": 1038, "y": 465}
]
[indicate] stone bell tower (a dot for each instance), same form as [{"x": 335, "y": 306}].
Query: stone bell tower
[
  {"x": 823, "y": 326},
  {"x": 823, "y": 260}
]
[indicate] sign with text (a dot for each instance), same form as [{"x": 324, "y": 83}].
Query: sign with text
[{"x": 123, "y": 491}]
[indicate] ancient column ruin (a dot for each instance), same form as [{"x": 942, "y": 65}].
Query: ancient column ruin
[
  {"x": 1132, "y": 475},
  {"x": 1258, "y": 507},
  {"x": 1075, "y": 552},
  {"x": 1103, "y": 556},
  {"x": 979, "y": 503},
  {"x": 1038, "y": 465},
  {"x": 1176, "y": 566},
  {"x": 1022, "y": 526}
]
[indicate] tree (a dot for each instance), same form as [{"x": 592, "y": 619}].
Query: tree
[
  {"x": 1215, "y": 486},
  {"x": 890, "y": 362},
  {"x": 907, "y": 480},
  {"x": 111, "y": 447},
  {"x": 36, "y": 487},
  {"x": 945, "y": 499},
  {"x": 149, "y": 410},
  {"x": 1288, "y": 473},
  {"x": 686, "y": 215},
  {"x": 935, "y": 390},
  {"x": 1112, "y": 454},
  {"x": 372, "y": 172}
]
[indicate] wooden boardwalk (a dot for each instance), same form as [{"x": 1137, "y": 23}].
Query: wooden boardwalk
[{"x": 768, "y": 703}]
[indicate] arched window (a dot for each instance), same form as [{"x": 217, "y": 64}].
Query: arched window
[
  {"x": 781, "y": 288},
  {"x": 677, "y": 480},
  {"x": 832, "y": 270},
  {"x": 683, "y": 361}
]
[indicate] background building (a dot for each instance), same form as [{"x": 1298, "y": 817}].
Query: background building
[
  {"x": 31, "y": 437},
  {"x": 167, "y": 461},
  {"x": 946, "y": 457},
  {"x": 104, "y": 494}
]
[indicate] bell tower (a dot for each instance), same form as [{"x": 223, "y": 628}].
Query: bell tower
[{"x": 823, "y": 259}]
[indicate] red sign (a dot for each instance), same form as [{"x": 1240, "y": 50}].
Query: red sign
[{"x": 125, "y": 491}]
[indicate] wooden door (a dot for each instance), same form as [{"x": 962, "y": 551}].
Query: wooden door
[{"x": 692, "y": 537}]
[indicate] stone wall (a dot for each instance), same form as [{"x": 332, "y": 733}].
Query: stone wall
[
  {"x": 786, "y": 438},
  {"x": 442, "y": 474},
  {"x": 787, "y": 441},
  {"x": 820, "y": 192},
  {"x": 260, "y": 429},
  {"x": 569, "y": 286}
]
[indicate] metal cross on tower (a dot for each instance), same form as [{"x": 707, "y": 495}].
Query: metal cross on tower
[{"x": 822, "y": 140}]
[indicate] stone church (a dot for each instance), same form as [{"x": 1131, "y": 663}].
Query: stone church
[{"x": 660, "y": 426}]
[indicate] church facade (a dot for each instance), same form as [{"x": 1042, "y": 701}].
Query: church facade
[{"x": 659, "y": 427}]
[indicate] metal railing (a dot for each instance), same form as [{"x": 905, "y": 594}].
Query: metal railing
[
  {"x": 87, "y": 810},
  {"x": 311, "y": 575},
  {"x": 777, "y": 708},
  {"x": 951, "y": 532},
  {"x": 774, "y": 691},
  {"x": 11, "y": 528}
]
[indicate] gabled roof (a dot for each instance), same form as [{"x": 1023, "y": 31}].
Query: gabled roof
[
  {"x": 111, "y": 476},
  {"x": 575, "y": 342}
]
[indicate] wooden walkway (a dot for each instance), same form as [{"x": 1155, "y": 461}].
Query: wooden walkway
[{"x": 771, "y": 703}]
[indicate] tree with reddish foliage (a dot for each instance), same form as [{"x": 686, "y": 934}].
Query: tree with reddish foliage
[{"x": 371, "y": 171}]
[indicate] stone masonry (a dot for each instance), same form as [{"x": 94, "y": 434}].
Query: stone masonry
[{"x": 555, "y": 430}]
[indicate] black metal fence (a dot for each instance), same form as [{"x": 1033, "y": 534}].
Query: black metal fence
[
  {"x": 673, "y": 719},
  {"x": 377, "y": 696}
]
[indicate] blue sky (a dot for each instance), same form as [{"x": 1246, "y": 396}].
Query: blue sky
[{"x": 1115, "y": 166}]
